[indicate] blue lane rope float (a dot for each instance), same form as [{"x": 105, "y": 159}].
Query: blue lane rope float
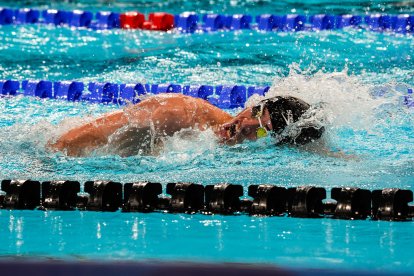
[
  {"x": 408, "y": 99},
  {"x": 223, "y": 96},
  {"x": 189, "y": 22},
  {"x": 228, "y": 199}
]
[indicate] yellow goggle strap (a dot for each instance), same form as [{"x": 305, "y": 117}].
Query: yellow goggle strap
[{"x": 261, "y": 131}]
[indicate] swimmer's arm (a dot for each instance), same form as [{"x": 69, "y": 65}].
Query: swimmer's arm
[
  {"x": 87, "y": 137},
  {"x": 338, "y": 154},
  {"x": 320, "y": 147}
]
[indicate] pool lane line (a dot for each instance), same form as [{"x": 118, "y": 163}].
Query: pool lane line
[
  {"x": 223, "y": 96},
  {"x": 189, "y": 22},
  {"x": 350, "y": 203}
]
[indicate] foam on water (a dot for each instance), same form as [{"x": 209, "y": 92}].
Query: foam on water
[
  {"x": 348, "y": 101},
  {"x": 189, "y": 144}
]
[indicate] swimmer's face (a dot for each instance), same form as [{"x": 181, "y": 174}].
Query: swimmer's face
[{"x": 244, "y": 126}]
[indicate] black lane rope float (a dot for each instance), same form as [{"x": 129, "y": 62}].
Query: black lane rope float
[{"x": 227, "y": 199}]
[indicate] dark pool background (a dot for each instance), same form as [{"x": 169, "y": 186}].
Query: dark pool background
[{"x": 360, "y": 75}]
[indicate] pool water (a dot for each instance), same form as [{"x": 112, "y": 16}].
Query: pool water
[{"x": 359, "y": 76}]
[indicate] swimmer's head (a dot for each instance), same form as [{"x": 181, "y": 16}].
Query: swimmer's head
[
  {"x": 279, "y": 116},
  {"x": 284, "y": 113}
]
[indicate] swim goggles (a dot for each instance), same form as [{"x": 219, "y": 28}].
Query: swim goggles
[{"x": 257, "y": 112}]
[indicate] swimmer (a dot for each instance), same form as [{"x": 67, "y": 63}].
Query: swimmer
[{"x": 141, "y": 128}]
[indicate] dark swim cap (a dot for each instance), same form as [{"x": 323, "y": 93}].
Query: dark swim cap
[{"x": 286, "y": 110}]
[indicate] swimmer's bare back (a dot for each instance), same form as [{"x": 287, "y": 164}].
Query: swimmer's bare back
[{"x": 164, "y": 113}]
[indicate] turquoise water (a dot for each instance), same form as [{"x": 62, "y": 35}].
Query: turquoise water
[
  {"x": 359, "y": 75},
  {"x": 288, "y": 242}
]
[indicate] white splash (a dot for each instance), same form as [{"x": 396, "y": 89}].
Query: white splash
[
  {"x": 187, "y": 144},
  {"x": 347, "y": 100}
]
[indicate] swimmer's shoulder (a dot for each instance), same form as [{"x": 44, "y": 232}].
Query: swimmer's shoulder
[{"x": 199, "y": 110}]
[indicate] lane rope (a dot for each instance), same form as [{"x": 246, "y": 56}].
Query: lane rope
[
  {"x": 223, "y": 96},
  {"x": 190, "y": 22},
  {"x": 228, "y": 199}
]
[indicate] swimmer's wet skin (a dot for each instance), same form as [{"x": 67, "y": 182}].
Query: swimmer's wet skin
[{"x": 140, "y": 128}]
